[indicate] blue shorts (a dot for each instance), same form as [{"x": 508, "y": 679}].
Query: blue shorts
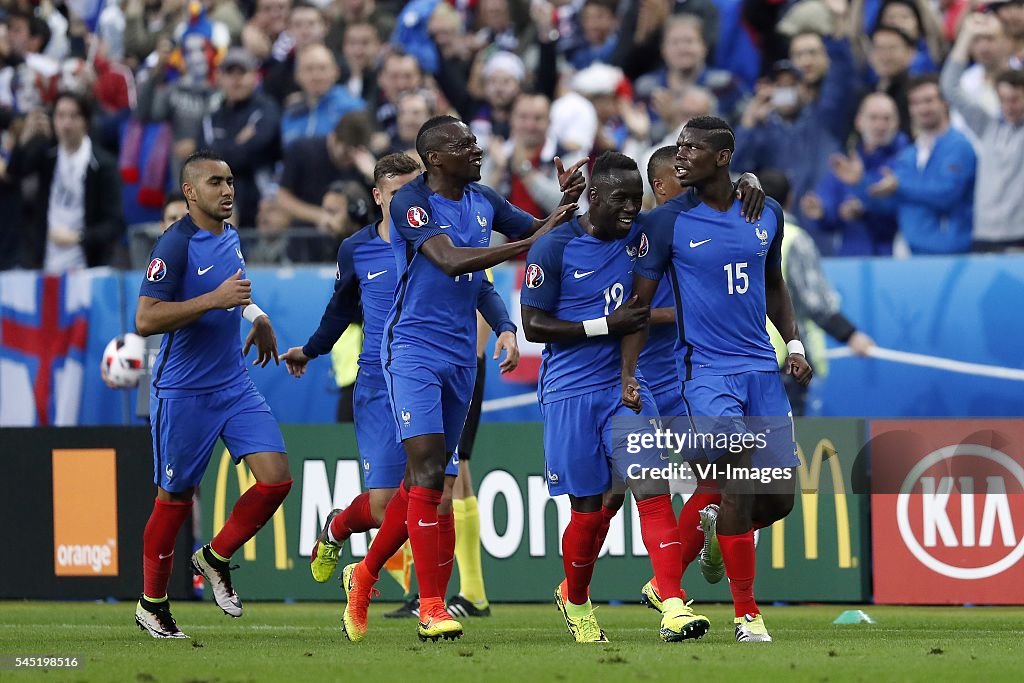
[
  {"x": 582, "y": 450},
  {"x": 383, "y": 457},
  {"x": 430, "y": 399},
  {"x": 747, "y": 402},
  {"x": 185, "y": 430}
]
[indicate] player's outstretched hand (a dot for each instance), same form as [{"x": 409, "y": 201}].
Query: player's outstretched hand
[
  {"x": 798, "y": 366},
  {"x": 295, "y": 361},
  {"x": 751, "y": 196},
  {"x": 558, "y": 216},
  {"x": 232, "y": 292},
  {"x": 631, "y": 394},
  {"x": 507, "y": 342},
  {"x": 628, "y": 318},
  {"x": 571, "y": 182},
  {"x": 262, "y": 335}
]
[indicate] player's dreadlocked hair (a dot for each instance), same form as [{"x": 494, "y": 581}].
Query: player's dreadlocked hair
[
  {"x": 719, "y": 132},
  {"x": 427, "y": 139},
  {"x": 610, "y": 162},
  {"x": 663, "y": 156}
]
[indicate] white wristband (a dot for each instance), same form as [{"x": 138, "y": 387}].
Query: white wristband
[
  {"x": 251, "y": 312},
  {"x": 596, "y": 328},
  {"x": 795, "y": 346}
]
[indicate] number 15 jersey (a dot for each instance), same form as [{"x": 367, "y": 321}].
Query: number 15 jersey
[{"x": 716, "y": 263}]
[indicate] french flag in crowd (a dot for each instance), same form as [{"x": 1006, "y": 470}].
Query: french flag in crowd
[{"x": 44, "y": 323}]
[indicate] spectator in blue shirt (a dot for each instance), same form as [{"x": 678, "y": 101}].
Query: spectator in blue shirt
[
  {"x": 323, "y": 102},
  {"x": 600, "y": 33},
  {"x": 930, "y": 184}
]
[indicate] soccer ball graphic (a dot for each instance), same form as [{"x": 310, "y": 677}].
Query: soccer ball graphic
[{"x": 124, "y": 359}]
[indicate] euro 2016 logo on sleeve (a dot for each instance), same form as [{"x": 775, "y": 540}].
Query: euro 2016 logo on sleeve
[
  {"x": 643, "y": 246},
  {"x": 157, "y": 270},
  {"x": 417, "y": 217},
  {"x": 534, "y": 276}
]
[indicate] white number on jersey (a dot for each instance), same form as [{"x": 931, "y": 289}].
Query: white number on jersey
[
  {"x": 613, "y": 297},
  {"x": 739, "y": 281}
]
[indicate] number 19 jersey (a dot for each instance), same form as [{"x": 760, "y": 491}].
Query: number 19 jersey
[{"x": 575, "y": 276}]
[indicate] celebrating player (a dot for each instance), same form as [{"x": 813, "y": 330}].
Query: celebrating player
[
  {"x": 442, "y": 221},
  {"x": 366, "y": 276},
  {"x": 576, "y": 299},
  {"x": 195, "y": 292},
  {"x": 727, "y": 275}
]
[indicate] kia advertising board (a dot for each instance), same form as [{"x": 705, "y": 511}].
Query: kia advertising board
[{"x": 947, "y": 511}]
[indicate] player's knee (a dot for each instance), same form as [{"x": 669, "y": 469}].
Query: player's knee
[
  {"x": 379, "y": 499},
  {"x": 184, "y": 496},
  {"x": 613, "y": 501}
]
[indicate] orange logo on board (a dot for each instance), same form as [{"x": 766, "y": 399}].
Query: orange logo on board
[{"x": 85, "y": 512}]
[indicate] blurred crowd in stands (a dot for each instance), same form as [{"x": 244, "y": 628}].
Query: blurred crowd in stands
[{"x": 898, "y": 124}]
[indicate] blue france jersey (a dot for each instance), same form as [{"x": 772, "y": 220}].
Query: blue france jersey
[
  {"x": 657, "y": 360},
  {"x": 365, "y": 275},
  {"x": 206, "y": 355},
  {"x": 575, "y": 276},
  {"x": 433, "y": 316},
  {"x": 716, "y": 263}
]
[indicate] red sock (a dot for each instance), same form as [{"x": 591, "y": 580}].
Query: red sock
[
  {"x": 689, "y": 523},
  {"x": 661, "y": 538},
  {"x": 251, "y": 512},
  {"x": 579, "y": 554},
  {"x": 392, "y": 533},
  {"x": 607, "y": 515},
  {"x": 445, "y": 550},
  {"x": 740, "y": 564},
  {"x": 353, "y": 519},
  {"x": 424, "y": 535},
  {"x": 158, "y": 545}
]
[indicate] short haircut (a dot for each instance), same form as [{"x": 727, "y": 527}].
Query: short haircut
[
  {"x": 916, "y": 82},
  {"x": 685, "y": 20},
  {"x": 428, "y": 138},
  {"x": 37, "y": 26},
  {"x": 305, "y": 5},
  {"x": 195, "y": 158},
  {"x": 393, "y": 165},
  {"x": 81, "y": 101},
  {"x": 172, "y": 197},
  {"x": 662, "y": 156},
  {"x": 354, "y": 129},
  {"x": 885, "y": 28},
  {"x": 612, "y": 162},
  {"x": 1011, "y": 77},
  {"x": 362, "y": 23},
  {"x": 718, "y": 131},
  {"x": 610, "y": 5},
  {"x": 775, "y": 184}
]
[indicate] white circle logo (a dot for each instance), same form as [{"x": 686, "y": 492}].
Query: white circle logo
[{"x": 907, "y": 531}]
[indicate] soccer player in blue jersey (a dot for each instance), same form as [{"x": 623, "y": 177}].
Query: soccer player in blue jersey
[
  {"x": 727, "y": 276},
  {"x": 366, "y": 276},
  {"x": 576, "y": 298},
  {"x": 196, "y": 294},
  {"x": 442, "y": 224}
]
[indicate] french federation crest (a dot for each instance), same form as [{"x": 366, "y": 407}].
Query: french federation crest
[
  {"x": 481, "y": 221},
  {"x": 417, "y": 216},
  {"x": 761, "y": 235}
]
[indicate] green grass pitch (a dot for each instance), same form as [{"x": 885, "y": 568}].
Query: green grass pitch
[{"x": 525, "y": 643}]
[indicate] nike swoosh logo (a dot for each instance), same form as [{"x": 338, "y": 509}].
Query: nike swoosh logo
[
  {"x": 422, "y": 523},
  {"x": 578, "y": 275},
  {"x": 370, "y": 276},
  {"x": 204, "y": 271},
  {"x": 164, "y": 557},
  {"x": 694, "y": 245},
  {"x": 585, "y": 564},
  {"x": 443, "y": 227},
  {"x": 665, "y": 545}
]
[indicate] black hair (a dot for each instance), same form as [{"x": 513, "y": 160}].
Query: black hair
[
  {"x": 915, "y": 82},
  {"x": 611, "y": 162},
  {"x": 1011, "y": 77},
  {"x": 903, "y": 35},
  {"x": 37, "y": 26},
  {"x": 174, "y": 197},
  {"x": 194, "y": 158},
  {"x": 775, "y": 184},
  {"x": 428, "y": 138},
  {"x": 909, "y": 4},
  {"x": 354, "y": 128},
  {"x": 661, "y": 156},
  {"x": 81, "y": 101},
  {"x": 719, "y": 132}
]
